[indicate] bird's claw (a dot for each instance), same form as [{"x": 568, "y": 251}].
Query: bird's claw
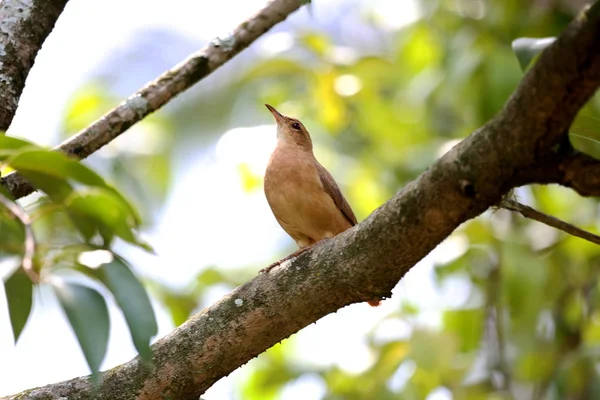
[{"x": 270, "y": 267}]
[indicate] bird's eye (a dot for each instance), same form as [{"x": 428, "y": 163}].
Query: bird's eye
[{"x": 296, "y": 126}]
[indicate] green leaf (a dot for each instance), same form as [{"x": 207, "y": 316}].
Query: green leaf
[
  {"x": 43, "y": 161},
  {"x": 88, "y": 315},
  {"x": 57, "y": 189},
  {"x": 87, "y": 104},
  {"x": 19, "y": 296},
  {"x": 536, "y": 365},
  {"x": 56, "y": 164},
  {"x": 585, "y": 135},
  {"x": 250, "y": 180},
  {"x": 79, "y": 172},
  {"x": 467, "y": 325},
  {"x": 106, "y": 209},
  {"x": 526, "y": 49},
  {"x": 9, "y": 146},
  {"x": 133, "y": 300}
]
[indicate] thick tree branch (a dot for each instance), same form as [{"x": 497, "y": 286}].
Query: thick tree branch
[
  {"x": 24, "y": 25},
  {"x": 581, "y": 173},
  {"x": 567, "y": 167},
  {"x": 368, "y": 260},
  {"x": 160, "y": 91}
]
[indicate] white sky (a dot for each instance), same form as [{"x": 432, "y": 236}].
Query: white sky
[{"x": 86, "y": 32}]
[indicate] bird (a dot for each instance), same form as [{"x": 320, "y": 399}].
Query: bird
[{"x": 304, "y": 197}]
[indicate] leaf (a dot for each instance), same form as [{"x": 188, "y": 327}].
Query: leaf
[
  {"x": 526, "y": 49},
  {"x": 536, "y": 365},
  {"x": 49, "y": 171},
  {"x": 57, "y": 189},
  {"x": 88, "y": 315},
  {"x": 467, "y": 325},
  {"x": 133, "y": 300},
  {"x": 56, "y": 164},
  {"x": 317, "y": 43},
  {"x": 250, "y": 180},
  {"x": 9, "y": 146},
  {"x": 107, "y": 209},
  {"x": 43, "y": 161},
  {"x": 19, "y": 296},
  {"x": 585, "y": 135},
  {"x": 87, "y": 104}
]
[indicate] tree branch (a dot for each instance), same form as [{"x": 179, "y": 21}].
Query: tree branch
[
  {"x": 160, "y": 91},
  {"x": 368, "y": 260},
  {"x": 567, "y": 167},
  {"x": 24, "y": 25},
  {"x": 581, "y": 173}
]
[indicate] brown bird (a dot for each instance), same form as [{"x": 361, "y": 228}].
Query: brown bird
[{"x": 302, "y": 194}]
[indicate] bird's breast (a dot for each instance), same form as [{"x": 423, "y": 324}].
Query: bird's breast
[
  {"x": 290, "y": 177},
  {"x": 297, "y": 198}
]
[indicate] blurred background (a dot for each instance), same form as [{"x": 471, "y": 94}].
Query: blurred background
[{"x": 504, "y": 308}]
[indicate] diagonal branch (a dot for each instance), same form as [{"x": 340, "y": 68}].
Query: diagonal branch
[
  {"x": 549, "y": 220},
  {"x": 160, "y": 91},
  {"x": 24, "y": 25},
  {"x": 368, "y": 260}
]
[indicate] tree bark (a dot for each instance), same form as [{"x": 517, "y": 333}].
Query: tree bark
[
  {"x": 525, "y": 143},
  {"x": 24, "y": 25}
]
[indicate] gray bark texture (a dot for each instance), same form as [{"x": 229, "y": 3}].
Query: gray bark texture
[
  {"x": 525, "y": 143},
  {"x": 24, "y": 25}
]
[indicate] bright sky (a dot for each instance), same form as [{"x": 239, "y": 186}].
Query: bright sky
[{"x": 86, "y": 33}]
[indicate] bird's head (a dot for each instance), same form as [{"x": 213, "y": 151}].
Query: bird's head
[{"x": 290, "y": 130}]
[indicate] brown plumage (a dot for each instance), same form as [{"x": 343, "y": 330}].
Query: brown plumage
[{"x": 302, "y": 194}]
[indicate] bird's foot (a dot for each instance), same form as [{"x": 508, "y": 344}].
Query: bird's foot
[{"x": 284, "y": 259}]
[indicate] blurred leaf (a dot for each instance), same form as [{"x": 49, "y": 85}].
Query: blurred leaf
[
  {"x": 180, "y": 305},
  {"x": 211, "y": 276},
  {"x": 87, "y": 104},
  {"x": 536, "y": 366},
  {"x": 432, "y": 351},
  {"x": 57, "y": 189},
  {"x": 88, "y": 315},
  {"x": 527, "y": 49},
  {"x": 268, "y": 377},
  {"x": 421, "y": 49},
  {"x": 250, "y": 181},
  {"x": 467, "y": 325},
  {"x": 318, "y": 43},
  {"x": 10, "y": 146},
  {"x": 574, "y": 310},
  {"x": 107, "y": 209},
  {"x": 19, "y": 296},
  {"x": 133, "y": 300}
]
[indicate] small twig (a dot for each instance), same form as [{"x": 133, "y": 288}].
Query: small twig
[
  {"x": 29, "y": 238},
  {"x": 549, "y": 220}
]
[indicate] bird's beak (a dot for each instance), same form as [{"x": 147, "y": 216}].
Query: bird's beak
[{"x": 278, "y": 117}]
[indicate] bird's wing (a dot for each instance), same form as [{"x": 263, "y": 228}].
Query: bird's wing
[{"x": 333, "y": 190}]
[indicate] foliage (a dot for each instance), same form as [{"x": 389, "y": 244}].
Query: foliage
[{"x": 75, "y": 225}]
